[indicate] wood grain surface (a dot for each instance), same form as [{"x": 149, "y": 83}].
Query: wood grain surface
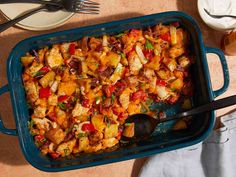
[{"x": 12, "y": 162}]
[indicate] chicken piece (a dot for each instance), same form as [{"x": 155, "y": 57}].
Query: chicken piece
[
  {"x": 111, "y": 131},
  {"x": 39, "y": 112},
  {"x": 53, "y": 57},
  {"x": 184, "y": 61},
  {"x": 134, "y": 64},
  {"x": 124, "y": 98},
  {"x": 82, "y": 145},
  {"x": 31, "y": 91},
  {"x": 176, "y": 51},
  {"x": 52, "y": 100},
  {"x": 149, "y": 73},
  {"x": 113, "y": 59},
  {"x": 107, "y": 143},
  {"x": 66, "y": 148},
  {"x": 162, "y": 92},
  {"x": 164, "y": 74},
  {"x": 171, "y": 64},
  {"x": 44, "y": 123},
  {"x": 27, "y": 60},
  {"x": 79, "y": 110},
  {"x": 47, "y": 79},
  {"x": 61, "y": 117},
  {"x": 98, "y": 122},
  {"x": 154, "y": 63},
  {"x": 56, "y": 135},
  {"x": 95, "y": 138},
  {"x": 67, "y": 88},
  {"x": 161, "y": 29}
]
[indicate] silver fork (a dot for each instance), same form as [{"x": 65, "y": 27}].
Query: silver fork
[
  {"x": 77, "y": 6},
  {"x": 218, "y": 16}
]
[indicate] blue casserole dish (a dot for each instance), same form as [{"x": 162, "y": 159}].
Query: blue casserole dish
[{"x": 162, "y": 140}]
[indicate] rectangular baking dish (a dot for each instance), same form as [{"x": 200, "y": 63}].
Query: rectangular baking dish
[{"x": 162, "y": 140}]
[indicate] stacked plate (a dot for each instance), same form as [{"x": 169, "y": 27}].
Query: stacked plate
[{"x": 38, "y": 21}]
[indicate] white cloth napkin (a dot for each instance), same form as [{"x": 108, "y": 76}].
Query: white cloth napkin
[{"x": 215, "y": 157}]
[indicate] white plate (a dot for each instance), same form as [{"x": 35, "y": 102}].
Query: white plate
[
  {"x": 39, "y": 21},
  {"x": 224, "y": 7}
]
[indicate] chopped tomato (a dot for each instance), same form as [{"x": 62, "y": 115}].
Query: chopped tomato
[
  {"x": 109, "y": 89},
  {"x": 72, "y": 48},
  {"x": 126, "y": 72},
  {"x": 85, "y": 103},
  {"x": 54, "y": 155},
  {"x": 39, "y": 138},
  {"x": 148, "y": 53},
  {"x": 175, "y": 24},
  {"x": 52, "y": 116},
  {"x": 62, "y": 98},
  {"x": 115, "y": 111},
  {"x": 122, "y": 115},
  {"x": 165, "y": 37},
  {"x": 135, "y": 32},
  {"x": 138, "y": 95},
  {"x": 44, "y": 92},
  {"x": 45, "y": 69},
  {"x": 88, "y": 128},
  {"x": 161, "y": 82}
]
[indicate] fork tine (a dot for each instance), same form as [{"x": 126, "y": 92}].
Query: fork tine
[
  {"x": 93, "y": 13},
  {"x": 95, "y": 7},
  {"x": 88, "y": 2},
  {"x": 87, "y": 9}
]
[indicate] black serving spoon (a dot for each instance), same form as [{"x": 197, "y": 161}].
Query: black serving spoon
[{"x": 144, "y": 125}]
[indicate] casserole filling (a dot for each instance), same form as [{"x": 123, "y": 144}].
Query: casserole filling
[{"x": 80, "y": 93}]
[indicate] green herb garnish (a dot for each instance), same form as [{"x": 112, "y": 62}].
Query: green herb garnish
[
  {"x": 30, "y": 124},
  {"x": 98, "y": 100},
  {"x": 104, "y": 97},
  {"x": 122, "y": 55},
  {"x": 119, "y": 35},
  {"x": 113, "y": 97},
  {"x": 128, "y": 124},
  {"x": 107, "y": 120},
  {"x": 80, "y": 135},
  {"x": 62, "y": 106},
  {"x": 148, "y": 45}
]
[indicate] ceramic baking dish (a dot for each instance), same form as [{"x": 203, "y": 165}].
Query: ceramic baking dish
[{"x": 162, "y": 140}]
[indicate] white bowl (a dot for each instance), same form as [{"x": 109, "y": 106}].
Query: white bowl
[{"x": 225, "y": 7}]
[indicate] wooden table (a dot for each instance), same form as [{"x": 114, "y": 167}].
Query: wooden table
[{"x": 12, "y": 162}]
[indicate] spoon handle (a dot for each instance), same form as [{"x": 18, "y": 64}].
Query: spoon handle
[
  {"x": 10, "y": 23},
  {"x": 214, "y": 105}
]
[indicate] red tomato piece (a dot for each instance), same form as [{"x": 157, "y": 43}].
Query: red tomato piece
[
  {"x": 39, "y": 138},
  {"x": 45, "y": 69},
  {"x": 109, "y": 90},
  {"x": 138, "y": 95},
  {"x": 135, "y": 32},
  {"x": 88, "y": 128},
  {"x": 72, "y": 48},
  {"x": 148, "y": 53},
  {"x": 161, "y": 82},
  {"x": 175, "y": 24},
  {"x": 54, "y": 155},
  {"x": 44, "y": 92},
  {"x": 165, "y": 37},
  {"x": 62, "y": 98},
  {"x": 85, "y": 103}
]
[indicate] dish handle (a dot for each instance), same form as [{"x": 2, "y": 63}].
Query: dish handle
[
  {"x": 3, "y": 129},
  {"x": 224, "y": 68}
]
